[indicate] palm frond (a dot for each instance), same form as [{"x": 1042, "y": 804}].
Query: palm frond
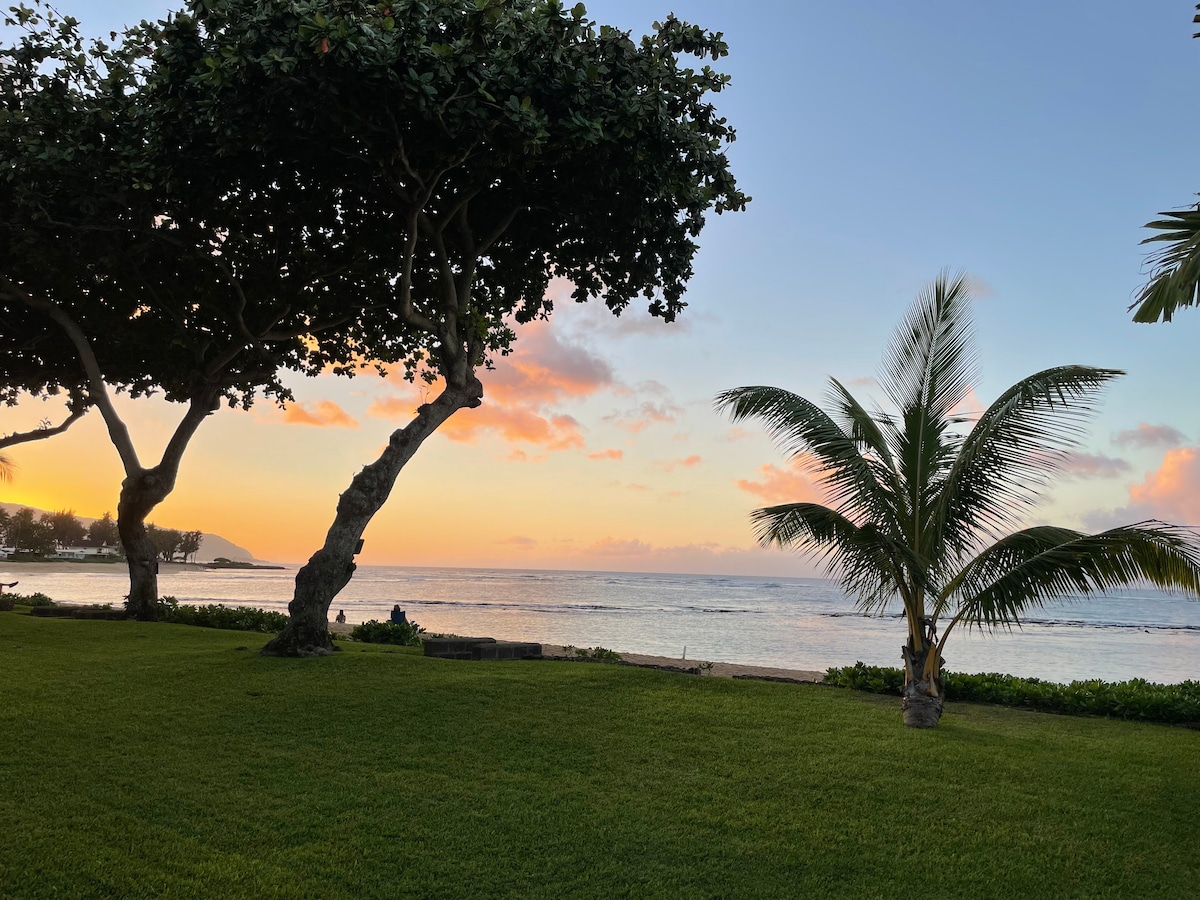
[
  {"x": 928, "y": 369},
  {"x": 1175, "y": 269},
  {"x": 930, "y": 361},
  {"x": 1017, "y": 444},
  {"x": 804, "y": 431},
  {"x": 865, "y": 561},
  {"x": 1038, "y": 565}
]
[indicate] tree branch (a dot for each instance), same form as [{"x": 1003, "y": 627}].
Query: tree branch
[
  {"x": 98, "y": 390},
  {"x": 40, "y": 434}
]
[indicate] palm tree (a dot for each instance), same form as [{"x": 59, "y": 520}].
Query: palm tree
[
  {"x": 921, "y": 507},
  {"x": 1175, "y": 268},
  {"x": 7, "y": 468}
]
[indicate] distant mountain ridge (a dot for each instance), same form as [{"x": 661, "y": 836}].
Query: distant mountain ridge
[{"x": 211, "y": 545}]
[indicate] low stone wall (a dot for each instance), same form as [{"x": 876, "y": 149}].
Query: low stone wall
[
  {"x": 77, "y": 612},
  {"x": 481, "y": 648}
]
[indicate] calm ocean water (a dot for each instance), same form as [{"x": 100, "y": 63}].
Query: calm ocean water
[{"x": 789, "y": 622}]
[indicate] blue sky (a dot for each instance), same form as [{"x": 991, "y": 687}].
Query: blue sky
[{"x": 1026, "y": 143}]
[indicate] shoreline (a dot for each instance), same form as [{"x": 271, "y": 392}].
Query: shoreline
[
  {"x": 79, "y": 567},
  {"x": 557, "y": 652}
]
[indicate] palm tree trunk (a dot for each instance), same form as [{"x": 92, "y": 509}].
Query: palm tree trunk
[
  {"x": 922, "y": 693},
  {"x": 330, "y": 568}
]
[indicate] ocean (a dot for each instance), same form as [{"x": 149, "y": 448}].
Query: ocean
[{"x": 795, "y": 623}]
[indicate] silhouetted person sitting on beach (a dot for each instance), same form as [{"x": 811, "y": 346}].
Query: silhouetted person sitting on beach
[
  {"x": 398, "y": 615},
  {"x": 341, "y": 617}
]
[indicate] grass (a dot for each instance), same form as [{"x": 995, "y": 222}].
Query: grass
[{"x": 142, "y": 760}]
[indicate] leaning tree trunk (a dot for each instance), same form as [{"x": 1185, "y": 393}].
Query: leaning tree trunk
[
  {"x": 922, "y": 703},
  {"x": 140, "y": 493},
  {"x": 330, "y": 568}
]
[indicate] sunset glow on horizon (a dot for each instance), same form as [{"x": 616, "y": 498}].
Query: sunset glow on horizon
[{"x": 881, "y": 146}]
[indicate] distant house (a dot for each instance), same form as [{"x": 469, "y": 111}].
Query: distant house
[{"x": 86, "y": 549}]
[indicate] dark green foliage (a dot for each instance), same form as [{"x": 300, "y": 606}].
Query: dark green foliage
[
  {"x": 1138, "y": 699},
  {"x": 404, "y": 634},
  {"x": 30, "y": 600},
  {"x": 595, "y": 653},
  {"x": 218, "y": 615}
]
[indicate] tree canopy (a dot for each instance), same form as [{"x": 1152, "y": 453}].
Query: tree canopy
[
  {"x": 140, "y": 251},
  {"x": 480, "y": 148}
]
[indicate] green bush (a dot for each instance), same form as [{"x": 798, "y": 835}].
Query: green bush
[
  {"x": 30, "y": 600},
  {"x": 405, "y": 634},
  {"x": 218, "y": 615},
  {"x": 1138, "y": 699}
]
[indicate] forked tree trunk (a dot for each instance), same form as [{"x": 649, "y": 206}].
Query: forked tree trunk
[
  {"x": 330, "y": 568},
  {"x": 140, "y": 493},
  {"x": 922, "y": 703}
]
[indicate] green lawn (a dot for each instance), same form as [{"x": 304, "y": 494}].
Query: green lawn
[{"x": 145, "y": 760}]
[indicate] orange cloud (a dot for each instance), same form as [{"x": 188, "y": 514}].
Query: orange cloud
[
  {"x": 1171, "y": 493},
  {"x": 394, "y": 408},
  {"x": 543, "y": 370},
  {"x": 322, "y": 414},
  {"x": 514, "y": 425},
  {"x": 781, "y": 486},
  {"x": 607, "y": 454},
  {"x": 1173, "y": 490},
  {"x": 669, "y": 465}
]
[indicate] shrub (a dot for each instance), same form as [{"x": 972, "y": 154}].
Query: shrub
[
  {"x": 1138, "y": 699},
  {"x": 30, "y": 600},
  {"x": 218, "y": 615},
  {"x": 596, "y": 653},
  {"x": 406, "y": 634}
]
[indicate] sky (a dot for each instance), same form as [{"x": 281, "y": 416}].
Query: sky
[{"x": 1025, "y": 143}]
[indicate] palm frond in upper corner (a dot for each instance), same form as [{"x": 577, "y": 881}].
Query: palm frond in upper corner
[{"x": 1175, "y": 268}]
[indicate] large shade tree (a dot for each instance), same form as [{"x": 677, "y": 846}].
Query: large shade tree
[
  {"x": 920, "y": 510},
  {"x": 496, "y": 144},
  {"x": 146, "y": 249}
]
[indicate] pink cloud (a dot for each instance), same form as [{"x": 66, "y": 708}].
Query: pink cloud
[
  {"x": 614, "y": 547},
  {"x": 969, "y": 408},
  {"x": 739, "y": 434},
  {"x": 322, "y": 414},
  {"x": 607, "y": 454},
  {"x": 1087, "y": 465},
  {"x": 647, "y": 414},
  {"x": 636, "y": 555},
  {"x": 1149, "y": 436},
  {"x": 518, "y": 541},
  {"x": 545, "y": 369},
  {"x": 781, "y": 485}
]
